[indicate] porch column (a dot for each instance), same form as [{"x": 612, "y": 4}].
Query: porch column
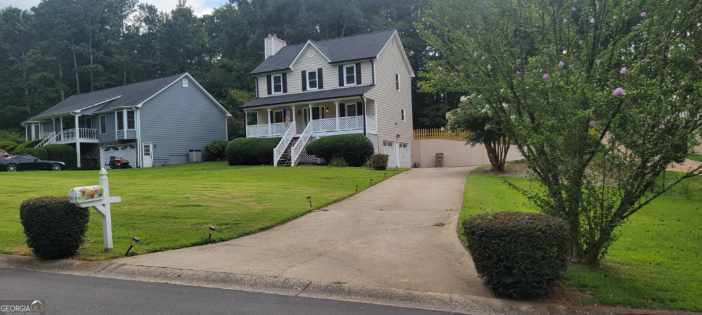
[
  {"x": 61, "y": 127},
  {"x": 53, "y": 125},
  {"x": 293, "y": 118},
  {"x": 336, "y": 103},
  {"x": 124, "y": 124},
  {"x": 270, "y": 129},
  {"x": 77, "y": 135},
  {"x": 246, "y": 124},
  {"x": 310, "y": 116},
  {"x": 26, "y": 132}
]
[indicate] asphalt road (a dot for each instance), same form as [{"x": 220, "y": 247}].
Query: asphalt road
[{"x": 66, "y": 294}]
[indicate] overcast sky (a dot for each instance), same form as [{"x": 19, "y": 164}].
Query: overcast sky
[{"x": 199, "y": 6}]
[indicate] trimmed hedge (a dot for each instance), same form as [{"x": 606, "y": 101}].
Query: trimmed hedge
[
  {"x": 518, "y": 255},
  {"x": 61, "y": 152},
  {"x": 378, "y": 162},
  {"x": 54, "y": 227},
  {"x": 354, "y": 149},
  {"x": 215, "y": 150},
  {"x": 251, "y": 151}
]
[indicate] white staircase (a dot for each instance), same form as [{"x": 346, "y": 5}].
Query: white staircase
[
  {"x": 282, "y": 146},
  {"x": 49, "y": 139},
  {"x": 300, "y": 145}
]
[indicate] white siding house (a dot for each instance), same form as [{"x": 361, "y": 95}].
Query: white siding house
[{"x": 358, "y": 84}]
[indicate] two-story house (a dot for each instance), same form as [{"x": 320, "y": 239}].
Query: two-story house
[
  {"x": 149, "y": 123},
  {"x": 357, "y": 84}
]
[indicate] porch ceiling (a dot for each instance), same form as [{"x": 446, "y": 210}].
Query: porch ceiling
[{"x": 307, "y": 96}]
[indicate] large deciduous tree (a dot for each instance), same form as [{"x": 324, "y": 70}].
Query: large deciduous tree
[{"x": 600, "y": 96}]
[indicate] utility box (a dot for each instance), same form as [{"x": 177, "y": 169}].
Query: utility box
[
  {"x": 439, "y": 160},
  {"x": 194, "y": 156}
]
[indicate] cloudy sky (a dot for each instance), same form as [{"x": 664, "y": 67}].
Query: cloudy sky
[{"x": 199, "y": 6}]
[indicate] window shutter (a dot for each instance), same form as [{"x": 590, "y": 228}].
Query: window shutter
[
  {"x": 341, "y": 75},
  {"x": 359, "y": 108},
  {"x": 320, "y": 78},
  {"x": 285, "y": 83},
  {"x": 304, "y": 80},
  {"x": 358, "y": 73},
  {"x": 342, "y": 110},
  {"x": 270, "y": 84}
]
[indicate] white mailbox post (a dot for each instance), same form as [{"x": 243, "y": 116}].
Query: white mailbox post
[{"x": 99, "y": 198}]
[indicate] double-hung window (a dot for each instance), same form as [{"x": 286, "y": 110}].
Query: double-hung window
[
  {"x": 278, "y": 83},
  {"x": 103, "y": 124},
  {"x": 130, "y": 119},
  {"x": 351, "y": 109},
  {"x": 350, "y": 74},
  {"x": 278, "y": 116},
  {"x": 312, "y": 82}
]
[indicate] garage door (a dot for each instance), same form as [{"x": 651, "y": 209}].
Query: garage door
[{"x": 389, "y": 150}]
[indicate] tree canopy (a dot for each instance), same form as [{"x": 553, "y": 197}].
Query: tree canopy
[{"x": 63, "y": 47}]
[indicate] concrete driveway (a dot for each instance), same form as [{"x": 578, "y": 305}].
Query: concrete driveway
[{"x": 399, "y": 234}]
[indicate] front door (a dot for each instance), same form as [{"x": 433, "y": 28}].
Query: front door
[{"x": 148, "y": 155}]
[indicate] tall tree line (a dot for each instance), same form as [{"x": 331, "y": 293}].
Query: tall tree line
[{"x": 64, "y": 47}]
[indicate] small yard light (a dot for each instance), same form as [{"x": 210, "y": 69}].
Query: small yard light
[
  {"x": 212, "y": 229},
  {"x": 135, "y": 240},
  {"x": 356, "y": 187},
  {"x": 309, "y": 200}
]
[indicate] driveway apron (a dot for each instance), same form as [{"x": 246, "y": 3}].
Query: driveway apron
[{"x": 399, "y": 234}]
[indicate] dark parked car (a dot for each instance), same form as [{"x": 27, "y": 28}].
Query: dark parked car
[{"x": 13, "y": 163}]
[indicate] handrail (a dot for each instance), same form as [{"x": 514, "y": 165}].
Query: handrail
[
  {"x": 49, "y": 139},
  {"x": 283, "y": 144},
  {"x": 296, "y": 150}
]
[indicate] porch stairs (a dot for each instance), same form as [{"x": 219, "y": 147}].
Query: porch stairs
[{"x": 286, "y": 157}]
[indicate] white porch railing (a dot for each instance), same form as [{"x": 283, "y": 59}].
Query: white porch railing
[
  {"x": 300, "y": 145},
  {"x": 50, "y": 138},
  {"x": 351, "y": 122},
  {"x": 324, "y": 125},
  {"x": 256, "y": 131},
  {"x": 283, "y": 144},
  {"x": 278, "y": 129},
  {"x": 84, "y": 134}
]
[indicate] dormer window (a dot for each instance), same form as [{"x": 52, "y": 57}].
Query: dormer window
[
  {"x": 350, "y": 74},
  {"x": 312, "y": 82},
  {"x": 278, "y": 83}
]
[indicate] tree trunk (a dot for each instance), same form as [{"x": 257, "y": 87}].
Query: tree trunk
[
  {"x": 75, "y": 68},
  {"x": 497, "y": 153}
]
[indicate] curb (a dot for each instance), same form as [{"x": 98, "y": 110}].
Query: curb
[{"x": 453, "y": 303}]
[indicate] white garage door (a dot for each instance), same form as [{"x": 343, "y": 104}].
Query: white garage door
[{"x": 390, "y": 150}]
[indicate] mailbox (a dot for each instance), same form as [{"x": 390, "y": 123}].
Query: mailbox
[{"x": 84, "y": 194}]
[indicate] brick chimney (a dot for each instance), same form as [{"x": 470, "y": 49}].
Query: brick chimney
[{"x": 272, "y": 44}]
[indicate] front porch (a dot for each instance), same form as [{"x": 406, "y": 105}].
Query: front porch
[{"x": 327, "y": 117}]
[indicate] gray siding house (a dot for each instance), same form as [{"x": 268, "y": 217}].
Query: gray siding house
[
  {"x": 149, "y": 123},
  {"x": 358, "y": 84}
]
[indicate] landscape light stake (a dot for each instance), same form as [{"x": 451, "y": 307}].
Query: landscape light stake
[
  {"x": 356, "y": 187},
  {"x": 135, "y": 240},
  {"x": 309, "y": 200},
  {"x": 212, "y": 229}
]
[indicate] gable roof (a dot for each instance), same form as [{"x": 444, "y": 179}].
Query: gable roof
[
  {"x": 130, "y": 95},
  {"x": 357, "y": 47}
]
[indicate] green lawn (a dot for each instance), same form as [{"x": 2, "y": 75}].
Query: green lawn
[
  {"x": 172, "y": 207},
  {"x": 695, "y": 157},
  {"x": 655, "y": 263}
]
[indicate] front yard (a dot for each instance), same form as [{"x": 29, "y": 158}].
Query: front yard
[
  {"x": 654, "y": 263},
  {"x": 172, "y": 207}
]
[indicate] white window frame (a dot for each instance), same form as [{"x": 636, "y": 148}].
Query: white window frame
[
  {"x": 350, "y": 105},
  {"x": 346, "y": 77},
  {"x": 273, "y": 77},
  {"x": 185, "y": 83},
  {"x": 316, "y": 80},
  {"x": 282, "y": 115}
]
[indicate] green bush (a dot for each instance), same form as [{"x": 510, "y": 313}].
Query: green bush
[
  {"x": 251, "y": 151},
  {"x": 8, "y": 145},
  {"x": 54, "y": 227},
  {"x": 338, "y": 162},
  {"x": 519, "y": 255},
  {"x": 40, "y": 153},
  {"x": 354, "y": 149},
  {"x": 378, "y": 162},
  {"x": 215, "y": 150},
  {"x": 62, "y": 153}
]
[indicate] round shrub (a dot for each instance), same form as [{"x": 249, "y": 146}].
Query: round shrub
[
  {"x": 215, "y": 150},
  {"x": 354, "y": 149},
  {"x": 251, "y": 151},
  {"x": 54, "y": 227},
  {"x": 62, "y": 153},
  {"x": 338, "y": 162},
  {"x": 518, "y": 255},
  {"x": 378, "y": 162}
]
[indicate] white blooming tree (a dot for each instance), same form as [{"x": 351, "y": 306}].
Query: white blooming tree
[{"x": 601, "y": 96}]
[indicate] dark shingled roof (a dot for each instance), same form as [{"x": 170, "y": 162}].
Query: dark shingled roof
[
  {"x": 362, "y": 46},
  {"x": 129, "y": 95},
  {"x": 308, "y": 96}
]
